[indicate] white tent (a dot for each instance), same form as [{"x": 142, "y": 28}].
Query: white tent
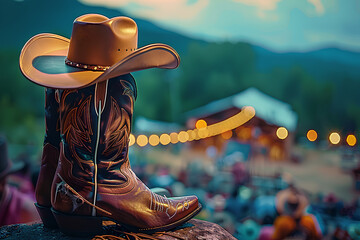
[
  {"x": 270, "y": 109},
  {"x": 144, "y": 125}
]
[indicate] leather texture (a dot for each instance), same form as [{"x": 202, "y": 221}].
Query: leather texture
[
  {"x": 94, "y": 177},
  {"x": 50, "y": 154}
]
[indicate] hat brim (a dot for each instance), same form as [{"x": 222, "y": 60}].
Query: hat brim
[
  {"x": 42, "y": 61},
  {"x": 281, "y": 198}
]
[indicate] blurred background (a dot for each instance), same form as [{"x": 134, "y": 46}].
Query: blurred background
[{"x": 294, "y": 63}]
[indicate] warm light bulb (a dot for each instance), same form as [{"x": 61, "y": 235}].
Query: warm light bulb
[
  {"x": 334, "y": 138},
  {"x": 154, "y": 140},
  {"x": 142, "y": 140},
  {"x": 191, "y": 135},
  {"x": 174, "y": 138},
  {"x": 351, "y": 140},
  {"x": 203, "y": 133},
  {"x": 131, "y": 140},
  {"x": 183, "y": 136},
  {"x": 249, "y": 111},
  {"x": 226, "y": 135},
  {"x": 200, "y": 124},
  {"x": 312, "y": 135},
  {"x": 282, "y": 133},
  {"x": 165, "y": 139}
]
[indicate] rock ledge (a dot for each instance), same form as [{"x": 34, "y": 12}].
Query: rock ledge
[{"x": 192, "y": 230}]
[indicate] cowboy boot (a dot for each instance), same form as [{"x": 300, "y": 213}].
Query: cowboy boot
[
  {"x": 49, "y": 160},
  {"x": 94, "y": 181}
]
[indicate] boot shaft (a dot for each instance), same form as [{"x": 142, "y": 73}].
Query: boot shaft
[
  {"x": 50, "y": 154},
  {"x": 52, "y": 135},
  {"x": 94, "y": 180},
  {"x": 95, "y": 125}
]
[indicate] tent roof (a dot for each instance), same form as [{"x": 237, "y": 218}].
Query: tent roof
[
  {"x": 266, "y": 107},
  {"x": 152, "y": 126}
]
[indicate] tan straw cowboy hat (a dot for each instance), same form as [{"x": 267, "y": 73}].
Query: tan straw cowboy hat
[{"x": 99, "y": 49}]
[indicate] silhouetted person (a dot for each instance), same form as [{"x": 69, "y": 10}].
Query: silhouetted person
[
  {"x": 15, "y": 206},
  {"x": 291, "y": 204}
]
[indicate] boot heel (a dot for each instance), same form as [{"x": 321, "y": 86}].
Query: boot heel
[
  {"x": 46, "y": 216},
  {"x": 77, "y": 225}
]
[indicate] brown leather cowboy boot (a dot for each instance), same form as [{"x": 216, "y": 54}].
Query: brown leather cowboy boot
[
  {"x": 94, "y": 181},
  {"x": 49, "y": 160}
]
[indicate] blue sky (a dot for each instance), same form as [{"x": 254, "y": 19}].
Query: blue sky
[{"x": 281, "y": 25}]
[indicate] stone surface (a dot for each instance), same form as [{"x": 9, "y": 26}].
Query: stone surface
[{"x": 192, "y": 230}]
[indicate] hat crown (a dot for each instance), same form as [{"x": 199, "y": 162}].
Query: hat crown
[{"x": 99, "y": 41}]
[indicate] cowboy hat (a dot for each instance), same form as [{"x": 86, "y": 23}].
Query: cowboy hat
[
  {"x": 99, "y": 49},
  {"x": 291, "y": 200}
]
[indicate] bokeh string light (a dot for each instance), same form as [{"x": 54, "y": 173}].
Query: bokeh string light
[
  {"x": 282, "y": 133},
  {"x": 224, "y": 129},
  {"x": 351, "y": 140},
  {"x": 334, "y": 138},
  {"x": 312, "y": 135},
  {"x": 202, "y": 130},
  {"x": 154, "y": 140}
]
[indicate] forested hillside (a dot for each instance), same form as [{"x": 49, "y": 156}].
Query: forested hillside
[{"x": 320, "y": 85}]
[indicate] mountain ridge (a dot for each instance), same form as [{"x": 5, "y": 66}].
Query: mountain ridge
[
  {"x": 57, "y": 17},
  {"x": 24, "y": 19}
]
